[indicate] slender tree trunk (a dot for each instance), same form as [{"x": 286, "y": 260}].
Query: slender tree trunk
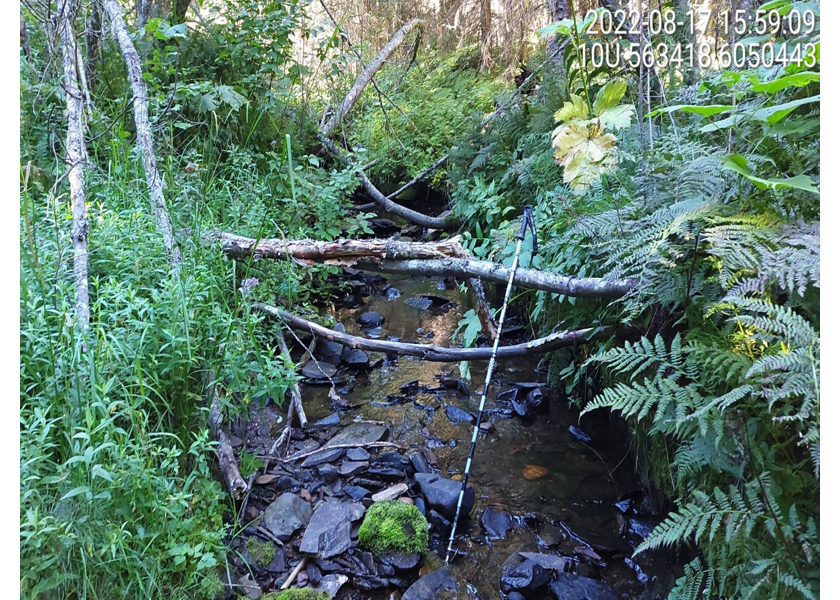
[
  {"x": 93, "y": 41},
  {"x": 24, "y": 39},
  {"x": 557, "y": 10},
  {"x": 76, "y": 157},
  {"x": 179, "y": 15},
  {"x": 144, "y": 130},
  {"x": 142, "y": 7},
  {"x": 486, "y": 33}
]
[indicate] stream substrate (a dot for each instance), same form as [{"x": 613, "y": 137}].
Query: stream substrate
[{"x": 566, "y": 486}]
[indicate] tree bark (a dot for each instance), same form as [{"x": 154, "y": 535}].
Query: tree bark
[
  {"x": 180, "y": 13},
  {"x": 144, "y": 130},
  {"x": 432, "y": 352},
  {"x": 24, "y": 39},
  {"x": 448, "y": 222},
  {"x": 443, "y": 258},
  {"x": 486, "y": 35},
  {"x": 227, "y": 460},
  {"x": 366, "y": 76},
  {"x": 93, "y": 41},
  {"x": 76, "y": 157}
]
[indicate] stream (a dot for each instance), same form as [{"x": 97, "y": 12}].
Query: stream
[{"x": 558, "y": 485}]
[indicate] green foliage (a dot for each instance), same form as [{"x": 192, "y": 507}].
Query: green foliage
[{"x": 394, "y": 526}]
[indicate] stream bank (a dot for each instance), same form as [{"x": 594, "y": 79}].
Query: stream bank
[{"x": 558, "y": 508}]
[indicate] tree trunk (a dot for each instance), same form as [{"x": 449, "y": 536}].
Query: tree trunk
[
  {"x": 142, "y": 7},
  {"x": 76, "y": 157},
  {"x": 444, "y": 258},
  {"x": 179, "y": 15},
  {"x": 366, "y": 76},
  {"x": 438, "y": 353},
  {"x": 486, "y": 34},
  {"x": 144, "y": 130},
  {"x": 24, "y": 39},
  {"x": 557, "y": 11},
  {"x": 93, "y": 41}
]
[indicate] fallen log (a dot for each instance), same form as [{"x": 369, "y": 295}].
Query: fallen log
[
  {"x": 447, "y": 222},
  {"x": 445, "y": 258},
  {"x": 567, "y": 285},
  {"x": 367, "y": 75},
  {"x": 432, "y": 352},
  {"x": 227, "y": 460}
]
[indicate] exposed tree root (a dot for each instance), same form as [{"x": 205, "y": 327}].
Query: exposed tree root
[{"x": 438, "y": 353}]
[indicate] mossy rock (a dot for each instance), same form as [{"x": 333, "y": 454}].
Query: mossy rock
[
  {"x": 297, "y": 594},
  {"x": 394, "y": 526},
  {"x": 262, "y": 552}
]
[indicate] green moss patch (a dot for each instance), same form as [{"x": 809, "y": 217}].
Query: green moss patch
[
  {"x": 262, "y": 552},
  {"x": 394, "y": 527},
  {"x": 297, "y": 594}
]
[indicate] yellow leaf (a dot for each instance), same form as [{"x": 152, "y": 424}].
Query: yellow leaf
[{"x": 576, "y": 109}]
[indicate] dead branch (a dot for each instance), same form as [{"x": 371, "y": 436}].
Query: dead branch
[
  {"x": 227, "y": 460},
  {"x": 340, "y": 446},
  {"x": 144, "y": 130},
  {"x": 432, "y": 352},
  {"x": 366, "y": 75},
  {"x": 76, "y": 157},
  {"x": 294, "y": 391},
  {"x": 448, "y": 222}
]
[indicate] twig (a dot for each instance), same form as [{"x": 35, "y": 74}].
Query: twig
[
  {"x": 340, "y": 446},
  {"x": 294, "y": 574},
  {"x": 269, "y": 535}
]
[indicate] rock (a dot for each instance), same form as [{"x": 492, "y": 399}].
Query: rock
[
  {"x": 515, "y": 596},
  {"x": 370, "y": 319},
  {"x": 332, "y": 583},
  {"x": 386, "y": 473},
  {"x": 326, "y": 456},
  {"x": 420, "y": 302},
  {"x": 316, "y": 369},
  {"x": 356, "y": 492},
  {"x": 532, "y": 472},
  {"x": 419, "y": 462},
  {"x": 496, "y": 523},
  {"x": 358, "y": 434},
  {"x": 403, "y": 562},
  {"x": 250, "y": 587},
  {"x": 328, "y": 473},
  {"x": 552, "y": 562},
  {"x": 437, "y": 585},
  {"x": 458, "y": 415},
  {"x": 286, "y": 515},
  {"x": 523, "y": 575},
  {"x": 333, "y": 419},
  {"x": 440, "y": 523},
  {"x": 328, "y": 532},
  {"x": 487, "y": 427},
  {"x": 406, "y": 500},
  {"x": 421, "y": 505},
  {"x": 369, "y": 582},
  {"x": 568, "y": 586},
  {"x": 550, "y": 535},
  {"x": 349, "y": 469},
  {"x": 314, "y": 573},
  {"x": 392, "y": 294},
  {"x": 392, "y": 493},
  {"x": 358, "y": 454},
  {"x": 330, "y": 352},
  {"x": 442, "y": 494},
  {"x": 356, "y": 359},
  {"x": 393, "y": 460},
  {"x": 410, "y": 388}
]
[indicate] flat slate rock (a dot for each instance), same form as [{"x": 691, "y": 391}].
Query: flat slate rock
[
  {"x": 349, "y": 469},
  {"x": 561, "y": 564},
  {"x": 327, "y": 455},
  {"x": 458, "y": 415},
  {"x": 392, "y": 493},
  {"x": 316, "y": 369},
  {"x": 437, "y": 585},
  {"x": 332, "y": 583},
  {"x": 328, "y": 532},
  {"x": 442, "y": 494},
  {"x": 286, "y": 515},
  {"x": 358, "y": 434},
  {"x": 358, "y": 454},
  {"x": 370, "y": 319},
  {"x": 568, "y": 586}
]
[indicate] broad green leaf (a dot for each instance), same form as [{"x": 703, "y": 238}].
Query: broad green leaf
[
  {"x": 609, "y": 96},
  {"x": 738, "y": 164},
  {"x": 231, "y": 97},
  {"x": 723, "y": 123},
  {"x": 176, "y": 31},
  {"x": 576, "y": 109},
  {"x": 76, "y": 491},
  {"x": 786, "y": 127},
  {"x": 776, "y": 5},
  {"x": 208, "y": 103},
  {"x": 706, "y": 111},
  {"x": 617, "y": 117},
  {"x": 774, "y": 114},
  {"x": 563, "y": 27},
  {"x": 797, "y": 80}
]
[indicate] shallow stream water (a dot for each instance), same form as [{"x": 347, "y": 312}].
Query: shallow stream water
[{"x": 561, "y": 479}]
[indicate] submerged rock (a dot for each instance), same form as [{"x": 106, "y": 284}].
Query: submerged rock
[
  {"x": 370, "y": 319},
  {"x": 437, "y": 585},
  {"x": 458, "y": 415},
  {"x": 496, "y": 523},
  {"x": 316, "y": 369},
  {"x": 356, "y": 359},
  {"x": 286, "y": 515},
  {"x": 568, "y": 586},
  {"x": 534, "y": 403},
  {"x": 523, "y": 575},
  {"x": 442, "y": 494}
]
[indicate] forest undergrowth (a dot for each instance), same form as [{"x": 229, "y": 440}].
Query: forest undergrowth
[{"x": 704, "y": 190}]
